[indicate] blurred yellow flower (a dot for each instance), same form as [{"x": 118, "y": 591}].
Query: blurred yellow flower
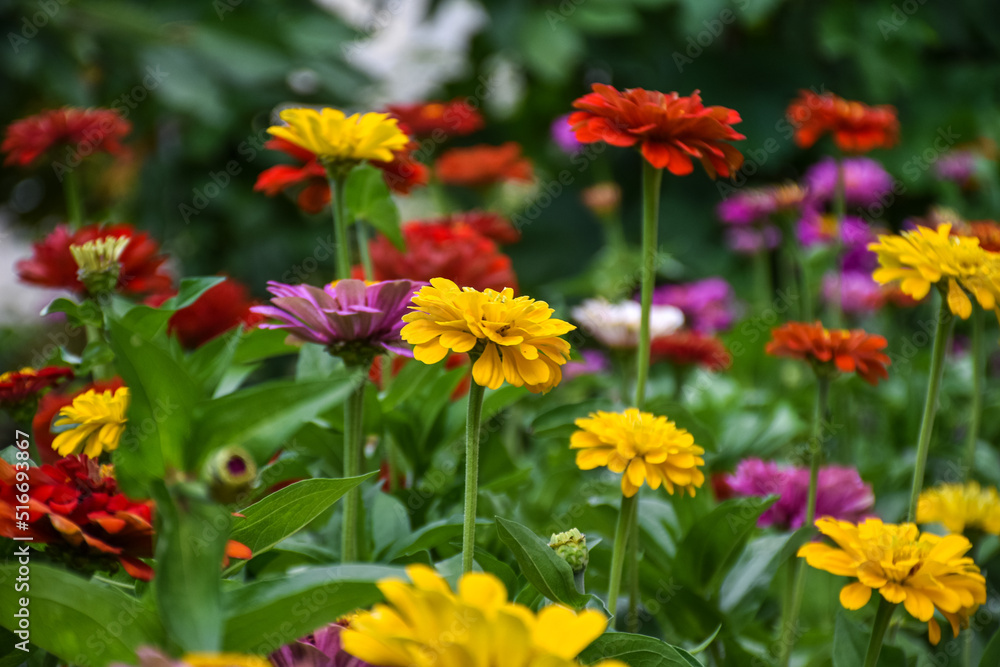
[
  {"x": 335, "y": 137},
  {"x": 94, "y": 423},
  {"x": 426, "y": 624},
  {"x": 516, "y": 338},
  {"x": 224, "y": 660},
  {"x": 644, "y": 447},
  {"x": 928, "y": 256},
  {"x": 923, "y": 571},
  {"x": 961, "y": 506}
]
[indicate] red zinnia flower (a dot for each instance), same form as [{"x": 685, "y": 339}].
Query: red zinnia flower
[
  {"x": 483, "y": 165},
  {"x": 86, "y": 130},
  {"x": 672, "y": 129},
  {"x": 50, "y": 405},
  {"x": 493, "y": 226},
  {"x": 856, "y": 127},
  {"x": 443, "y": 250},
  {"x": 691, "y": 347},
  {"x": 401, "y": 175},
  {"x": 52, "y": 264},
  {"x": 16, "y": 387},
  {"x": 849, "y": 351},
  {"x": 217, "y": 311},
  {"x": 424, "y": 119},
  {"x": 76, "y": 509}
]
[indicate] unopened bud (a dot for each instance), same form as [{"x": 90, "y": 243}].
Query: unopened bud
[
  {"x": 571, "y": 546},
  {"x": 98, "y": 264},
  {"x": 231, "y": 473}
]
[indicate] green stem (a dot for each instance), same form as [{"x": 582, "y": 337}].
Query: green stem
[
  {"x": 353, "y": 435},
  {"x": 651, "y": 180},
  {"x": 74, "y": 201},
  {"x": 881, "y": 623},
  {"x": 337, "y": 186},
  {"x": 976, "y": 407},
  {"x": 790, "y": 619},
  {"x": 941, "y": 335},
  {"x": 628, "y": 508},
  {"x": 632, "y": 621},
  {"x": 366, "y": 258},
  {"x": 762, "y": 279},
  {"x": 472, "y": 428}
]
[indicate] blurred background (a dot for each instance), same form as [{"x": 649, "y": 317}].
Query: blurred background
[{"x": 200, "y": 82}]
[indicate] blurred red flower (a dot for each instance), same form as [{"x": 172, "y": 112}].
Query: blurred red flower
[
  {"x": 87, "y": 131},
  {"x": 446, "y": 119},
  {"x": 443, "y": 250},
  {"x": 849, "y": 351},
  {"x": 217, "y": 311},
  {"x": 988, "y": 233},
  {"x": 52, "y": 264},
  {"x": 491, "y": 225},
  {"x": 483, "y": 165},
  {"x": 50, "y": 405},
  {"x": 856, "y": 127},
  {"x": 671, "y": 129},
  {"x": 17, "y": 387},
  {"x": 691, "y": 347},
  {"x": 401, "y": 175}
]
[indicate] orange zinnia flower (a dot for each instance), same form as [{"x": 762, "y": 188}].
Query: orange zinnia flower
[
  {"x": 691, "y": 347},
  {"x": 847, "y": 351},
  {"x": 483, "y": 165},
  {"x": 85, "y": 130},
  {"x": 671, "y": 128},
  {"x": 987, "y": 231},
  {"x": 856, "y": 127},
  {"x": 424, "y": 119}
]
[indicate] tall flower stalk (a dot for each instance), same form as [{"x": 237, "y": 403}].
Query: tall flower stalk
[
  {"x": 651, "y": 181},
  {"x": 338, "y": 208},
  {"x": 473, "y": 420},
  {"x": 976, "y": 404},
  {"x": 354, "y": 412}
]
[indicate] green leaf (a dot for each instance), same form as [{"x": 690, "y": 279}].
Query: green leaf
[
  {"x": 368, "y": 198},
  {"x": 289, "y": 510},
  {"x": 850, "y": 642},
  {"x": 264, "y": 615},
  {"x": 261, "y": 418},
  {"x": 432, "y": 535},
  {"x": 258, "y": 344},
  {"x": 549, "y": 573},
  {"x": 708, "y": 642},
  {"x": 748, "y": 580},
  {"x": 716, "y": 538},
  {"x": 71, "y": 617},
  {"x": 162, "y": 396},
  {"x": 636, "y": 651},
  {"x": 991, "y": 656},
  {"x": 190, "y": 546},
  {"x": 190, "y": 290}
]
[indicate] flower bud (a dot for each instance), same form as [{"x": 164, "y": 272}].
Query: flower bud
[
  {"x": 231, "y": 473},
  {"x": 571, "y": 546},
  {"x": 98, "y": 263}
]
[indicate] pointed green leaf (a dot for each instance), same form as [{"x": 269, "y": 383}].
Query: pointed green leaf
[
  {"x": 636, "y": 651},
  {"x": 546, "y": 571},
  {"x": 369, "y": 199}
]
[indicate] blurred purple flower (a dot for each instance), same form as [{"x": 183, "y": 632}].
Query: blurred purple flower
[
  {"x": 563, "y": 136},
  {"x": 865, "y": 181},
  {"x": 752, "y": 240},
  {"x": 708, "y": 305},
  {"x": 756, "y": 204},
  {"x": 858, "y": 292},
  {"x": 841, "y": 493},
  {"x": 348, "y": 317},
  {"x": 320, "y": 649},
  {"x": 957, "y": 166},
  {"x": 593, "y": 362},
  {"x": 814, "y": 228}
]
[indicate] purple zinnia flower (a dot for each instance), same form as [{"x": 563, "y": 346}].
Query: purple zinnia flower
[
  {"x": 752, "y": 240},
  {"x": 858, "y": 292},
  {"x": 958, "y": 166},
  {"x": 756, "y": 204},
  {"x": 593, "y": 362},
  {"x": 563, "y": 136},
  {"x": 814, "y": 228},
  {"x": 840, "y": 492},
  {"x": 708, "y": 305},
  {"x": 865, "y": 181},
  {"x": 321, "y": 649},
  {"x": 351, "y": 319}
]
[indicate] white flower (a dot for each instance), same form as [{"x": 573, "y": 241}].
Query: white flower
[{"x": 617, "y": 324}]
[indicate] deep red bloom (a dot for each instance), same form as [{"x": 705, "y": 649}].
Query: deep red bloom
[
  {"x": 50, "y": 405},
  {"x": 52, "y": 264},
  {"x": 856, "y": 127},
  {"x": 16, "y": 387},
  {"x": 491, "y": 225},
  {"x": 86, "y": 131},
  {"x": 671, "y": 129},
  {"x": 217, "y": 311},
  {"x": 691, "y": 347},
  {"x": 849, "y": 351},
  {"x": 447, "y": 119},
  {"x": 401, "y": 175},
  {"x": 443, "y": 250},
  {"x": 483, "y": 165},
  {"x": 76, "y": 509}
]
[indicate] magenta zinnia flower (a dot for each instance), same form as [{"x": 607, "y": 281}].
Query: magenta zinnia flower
[
  {"x": 858, "y": 292},
  {"x": 840, "y": 492},
  {"x": 708, "y": 305},
  {"x": 757, "y": 204},
  {"x": 321, "y": 649},
  {"x": 593, "y": 362},
  {"x": 353, "y": 320},
  {"x": 865, "y": 181},
  {"x": 958, "y": 166}
]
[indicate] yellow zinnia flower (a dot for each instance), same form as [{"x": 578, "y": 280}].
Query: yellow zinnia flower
[
  {"x": 516, "y": 338},
  {"x": 426, "y": 624},
  {"x": 337, "y": 138},
  {"x": 923, "y": 571},
  {"x": 644, "y": 447},
  {"x": 928, "y": 256},
  {"x": 95, "y": 422},
  {"x": 961, "y": 506}
]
